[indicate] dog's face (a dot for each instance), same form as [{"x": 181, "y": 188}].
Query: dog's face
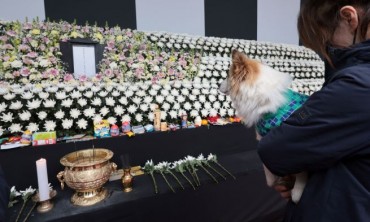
[
  {"x": 243, "y": 72},
  {"x": 254, "y": 88}
]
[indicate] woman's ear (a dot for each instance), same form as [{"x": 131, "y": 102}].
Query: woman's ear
[{"x": 349, "y": 16}]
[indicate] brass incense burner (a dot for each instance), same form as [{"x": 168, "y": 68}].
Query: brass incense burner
[{"x": 86, "y": 171}]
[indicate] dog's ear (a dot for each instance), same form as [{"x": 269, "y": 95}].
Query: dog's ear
[{"x": 238, "y": 57}]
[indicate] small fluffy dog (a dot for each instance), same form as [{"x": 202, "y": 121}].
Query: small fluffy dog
[{"x": 262, "y": 97}]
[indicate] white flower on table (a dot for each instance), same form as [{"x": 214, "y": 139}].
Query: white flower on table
[
  {"x": 42, "y": 115},
  {"x": 126, "y": 118},
  {"x": 67, "y": 123},
  {"x": 166, "y": 106},
  {"x": 49, "y": 125},
  {"x": 43, "y": 95},
  {"x": 95, "y": 89},
  {"x": 204, "y": 112},
  {"x": 165, "y": 92},
  {"x": 222, "y": 112},
  {"x": 187, "y": 106},
  {"x": 15, "y": 128},
  {"x": 59, "y": 115},
  {"x": 148, "y": 99},
  {"x": 163, "y": 115},
  {"x": 25, "y": 115},
  {"x": 197, "y": 105},
  {"x": 123, "y": 100},
  {"x": 75, "y": 94},
  {"x": 151, "y": 116},
  {"x": 144, "y": 107},
  {"x": 129, "y": 93},
  {"x": 103, "y": 93},
  {"x": 97, "y": 118},
  {"x": 194, "y": 113},
  {"x": 14, "y": 106},
  {"x": 170, "y": 98},
  {"x": 230, "y": 112},
  {"x": 89, "y": 112},
  {"x": 181, "y": 99},
  {"x": 115, "y": 93},
  {"x": 173, "y": 114},
  {"x": 82, "y": 123},
  {"x": 175, "y": 92},
  {"x": 136, "y": 100},
  {"x": 33, "y": 127},
  {"x": 118, "y": 110},
  {"x": 139, "y": 117},
  {"x": 176, "y": 106},
  {"x": 159, "y": 99}
]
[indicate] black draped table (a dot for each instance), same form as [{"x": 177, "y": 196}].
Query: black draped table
[{"x": 245, "y": 199}]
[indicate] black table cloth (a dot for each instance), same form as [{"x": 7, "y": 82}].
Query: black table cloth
[{"x": 245, "y": 199}]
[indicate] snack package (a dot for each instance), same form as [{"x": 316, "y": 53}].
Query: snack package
[{"x": 101, "y": 129}]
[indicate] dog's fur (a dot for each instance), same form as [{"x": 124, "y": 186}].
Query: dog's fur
[{"x": 256, "y": 89}]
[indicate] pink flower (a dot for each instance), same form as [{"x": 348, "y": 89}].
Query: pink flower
[
  {"x": 82, "y": 78},
  {"x": 16, "y": 73},
  {"x": 32, "y": 54},
  {"x": 23, "y": 48},
  {"x": 68, "y": 77},
  {"x": 4, "y": 38},
  {"x": 140, "y": 58},
  {"x": 6, "y": 58},
  {"x": 99, "y": 76},
  {"x": 27, "y": 61},
  {"x": 42, "y": 47},
  {"x": 108, "y": 73},
  {"x": 45, "y": 75},
  {"x": 11, "y": 33},
  {"x": 54, "y": 72},
  {"x": 25, "y": 72},
  {"x": 27, "y": 26}
]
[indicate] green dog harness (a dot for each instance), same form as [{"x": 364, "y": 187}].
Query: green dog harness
[{"x": 271, "y": 120}]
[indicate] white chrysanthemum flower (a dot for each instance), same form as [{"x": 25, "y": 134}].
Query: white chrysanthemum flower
[
  {"x": 115, "y": 93},
  {"x": 166, "y": 106},
  {"x": 118, "y": 110},
  {"x": 3, "y": 91},
  {"x": 97, "y": 119},
  {"x": 82, "y": 124},
  {"x": 122, "y": 88},
  {"x": 148, "y": 99},
  {"x": 81, "y": 88},
  {"x": 194, "y": 113},
  {"x": 129, "y": 93},
  {"x": 14, "y": 106},
  {"x": 43, "y": 95},
  {"x": 67, "y": 103},
  {"x": 49, "y": 103},
  {"x": 226, "y": 104},
  {"x": 212, "y": 98},
  {"x": 34, "y": 104},
  {"x": 165, "y": 92},
  {"x": 112, "y": 120},
  {"x": 170, "y": 98},
  {"x": 159, "y": 99},
  {"x": 173, "y": 114},
  {"x": 216, "y": 105},
  {"x": 126, "y": 118},
  {"x": 202, "y": 98},
  {"x": 139, "y": 118},
  {"x": 174, "y": 92},
  {"x": 205, "y": 91},
  {"x": 7, "y": 117},
  {"x": 197, "y": 105},
  {"x": 59, "y": 115},
  {"x": 27, "y": 95},
  {"x": 52, "y": 89},
  {"x": 176, "y": 106},
  {"x": 103, "y": 94},
  {"x": 185, "y": 92},
  {"x": 95, "y": 88},
  {"x": 140, "y": 93},
  {"x": 153, "y": 92},
  {"x": 9, "y": 96},
  {"x": 49, "y": 125},
  {"x": 136, "y": 100},
  {"x": 201, "y": 72},
  {"x": 221, "y": 98},
  {"x": 110, "y": 101},
  {"x": 88, "y": 94},
  {"x": 192, "y": 97},
  {"x": 204, "y": 112},
  {"x": 42, "y": 115},
  {"x": 223, "y": 74},
  {"x": 25, "y": 115},
  {"x": 104, "y": 111},
  {"x": 96, "y": 101},
  {"x": 187, "y": 106},
  {"x": 213, "y": 92},
  {"x": 132, "y": 109},
  {"x": 207, "y": 105},
  {"x": 67, "y": 123},
  {"x": 177, "y": 84},
  {"x": 222, "y": 112},
  {"x": 15, "y": 128},
  {"x": 144, "y": 107},
  {"x": 230, "y": 112},
  {"x": 68, "y": 88},
  {"x": 3, "y": 107},
  {"x": 123, "y": 100},
  {"x": 163, "y": 115},
  {"x": 151, "y": 116},
  {"x": 82, "y": 102},
  {"x": 75, "y": 113},
  {"x": 33, "y": 127},
  {"x": 156, "y": 87},
  {"x": 60, "y": 95},
  {"x": 76, "y": 94},
  {"x": 180, "y": 99},
  {"x": 89, "y": 112}
]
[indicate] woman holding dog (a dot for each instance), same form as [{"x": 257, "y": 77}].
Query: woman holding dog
[{"x": 329, "y": 136}]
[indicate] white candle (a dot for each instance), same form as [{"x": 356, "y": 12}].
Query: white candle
[{"x": 42, "y": 178}]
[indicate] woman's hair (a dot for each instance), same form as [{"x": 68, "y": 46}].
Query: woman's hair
[{"x": 318, "y": 20}]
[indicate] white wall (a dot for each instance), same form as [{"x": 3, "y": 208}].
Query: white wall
[
  {"x": 179, "y": 16},
  {"x": 277, "y": 21},
  {"x": 20, "y": 9}
]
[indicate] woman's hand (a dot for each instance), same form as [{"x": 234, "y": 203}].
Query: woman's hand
[{"x": 284, "y": 186}]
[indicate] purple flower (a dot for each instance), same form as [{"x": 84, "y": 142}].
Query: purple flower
[
  {"x": 108, "y": 73},
  {"x": 68, "y": 77},
  {"x": 32, "y": 54},
  {"x": 25, "y": 72},
  {"x": 82, "y": 78}
]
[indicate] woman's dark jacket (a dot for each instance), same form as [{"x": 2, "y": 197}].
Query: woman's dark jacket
[{"x": 329, "y": 137}]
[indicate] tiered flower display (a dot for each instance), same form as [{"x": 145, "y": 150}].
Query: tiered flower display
[{"x": 180, "y": 73}]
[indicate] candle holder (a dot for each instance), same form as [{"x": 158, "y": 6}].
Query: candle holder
[{"x": 46, "y": 205}]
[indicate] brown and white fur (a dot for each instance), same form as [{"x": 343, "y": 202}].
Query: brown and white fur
[{"x": 256, "y": 89}]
